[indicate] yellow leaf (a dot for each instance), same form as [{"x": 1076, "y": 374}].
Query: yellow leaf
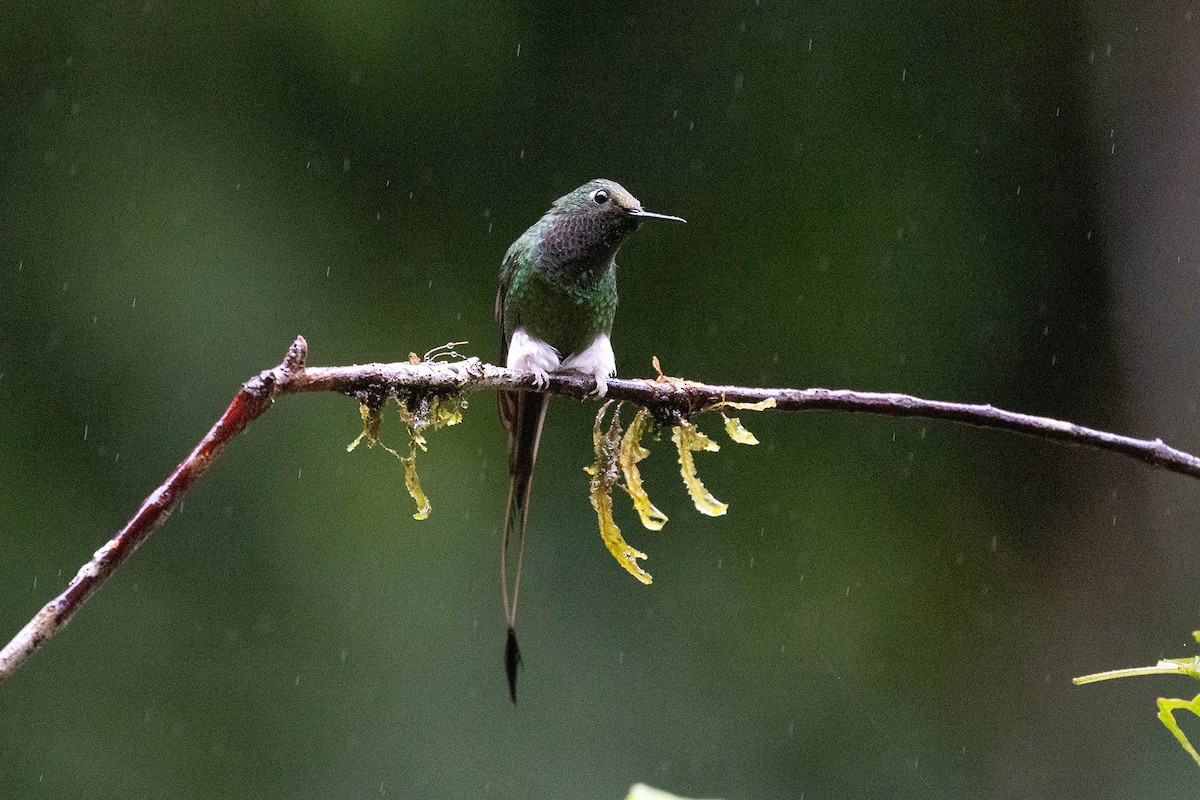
[
  {"x": 631, "y": 453},
  {"x": 688, "y": 439},
  {"x": 605, "y": 472}
]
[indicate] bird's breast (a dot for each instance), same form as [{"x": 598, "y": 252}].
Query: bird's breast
[{"x": 568, "y": 316}]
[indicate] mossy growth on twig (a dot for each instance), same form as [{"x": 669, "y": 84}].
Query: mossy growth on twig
[
  {"x": 419, "y": 413},
  {"x": 618, "y": 450}
]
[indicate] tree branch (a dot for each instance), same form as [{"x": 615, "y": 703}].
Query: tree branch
[{"x": 670, "y": 400}]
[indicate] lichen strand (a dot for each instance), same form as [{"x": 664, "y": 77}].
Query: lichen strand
[
  {"x": 631, "y": 453},
  {"x": 412, "y": 482},
  {"x": 688, "y": 439},
  {"x": 371, "y": 416},
  {"x": 606, "y": 472},
  {"x": 761, "y": 405},
  {"x": 737, "y": 432},
  {"x": 733, "y": 426},
  {"x": 419, "y": 414}
]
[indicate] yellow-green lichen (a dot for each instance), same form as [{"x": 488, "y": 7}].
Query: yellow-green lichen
[
  {"x": 631, "y": 453},
  {"x": 371, "y": 417},
  {"x": 689, "y": 439},
  {"x": 419, "y": 414},
  {"x": 606, "y": 472},
  {"x": 733, "y": 426}
]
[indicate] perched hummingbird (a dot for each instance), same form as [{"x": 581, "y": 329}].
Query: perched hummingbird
[{"x": 557, "y": 300}]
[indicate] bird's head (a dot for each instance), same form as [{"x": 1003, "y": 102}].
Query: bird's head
[{"x": 607, "y": 202}]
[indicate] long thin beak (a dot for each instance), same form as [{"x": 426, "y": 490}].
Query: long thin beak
[{"x": 652, "y": 215}]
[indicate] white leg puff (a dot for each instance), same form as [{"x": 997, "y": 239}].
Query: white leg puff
[
  {"x": 597, "y": 360},
  {"x": 530, "y": 354}
]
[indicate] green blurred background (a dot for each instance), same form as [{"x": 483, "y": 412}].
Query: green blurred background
[{"x": 977, "y": 202}]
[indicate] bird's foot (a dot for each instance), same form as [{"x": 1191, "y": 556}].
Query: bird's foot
[
  {"x": 532, "y": 356},
  {"x": 596, "y": 360}
]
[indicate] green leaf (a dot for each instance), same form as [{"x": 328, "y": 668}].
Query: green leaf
[
  {"x": 1166, "y": 714},
  {"x": 640, "y": 791},
  {"x": 1167, "y": 706}
]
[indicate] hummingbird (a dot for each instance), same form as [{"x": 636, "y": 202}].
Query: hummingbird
[{"x": 556, "y": 304}]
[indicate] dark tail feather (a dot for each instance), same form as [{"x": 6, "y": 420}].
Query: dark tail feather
[
  {"x": 524, "y": 413},
  {"x": 512, "y": 660}
]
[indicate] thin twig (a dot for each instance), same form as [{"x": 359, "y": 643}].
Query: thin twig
[
  {"x": 670, "y": 400},
  {"x": 255, "y": 397}
]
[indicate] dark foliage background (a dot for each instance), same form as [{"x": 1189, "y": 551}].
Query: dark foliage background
[{"x": 989, "y": 203}]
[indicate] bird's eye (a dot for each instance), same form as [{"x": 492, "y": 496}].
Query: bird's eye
[{"x": 600, "y": 196}]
